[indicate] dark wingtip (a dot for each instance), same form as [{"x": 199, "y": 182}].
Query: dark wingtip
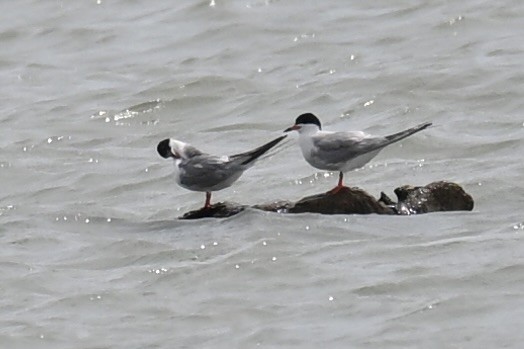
[
  {"x": 164, "y": 149},
  {"x": 277, "y": 140},
  {"x": 255, "y": 154}
]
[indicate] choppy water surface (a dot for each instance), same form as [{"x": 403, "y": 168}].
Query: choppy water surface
[{"x": 93, "y": 257}]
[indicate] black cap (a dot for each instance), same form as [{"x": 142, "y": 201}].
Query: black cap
[
  {"x": 308, "y": 118},
  {"x": 164, "y": 149}
]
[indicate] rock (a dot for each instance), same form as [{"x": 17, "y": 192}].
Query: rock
[
  {"x": 345, "y": 201},
  {"x": 218, "y": 210},
  {"x": 434, "y": 197}
]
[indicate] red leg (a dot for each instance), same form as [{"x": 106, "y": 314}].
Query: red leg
[
  {"x": 208, "y": 200},
  {"x": 340, "y": 184}
]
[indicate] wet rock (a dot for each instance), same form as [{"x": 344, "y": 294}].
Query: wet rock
[
  {"x": 345, "y": 201},
  {"x": 434, "y": 197},
  {"x": 384, "y": 199},
  {"x": 218, "y": 210}
]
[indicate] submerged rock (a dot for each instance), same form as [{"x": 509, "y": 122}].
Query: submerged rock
[
  {"x": 280, "y": 206},
  {"x": 434, "y": 197}
]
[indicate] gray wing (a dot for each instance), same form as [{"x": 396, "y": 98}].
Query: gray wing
[
  {"x": 340, "y": 147},
  {"x": 207, "y": 171}
]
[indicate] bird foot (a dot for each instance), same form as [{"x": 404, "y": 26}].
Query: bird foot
[{"x": 336, "y": 189}]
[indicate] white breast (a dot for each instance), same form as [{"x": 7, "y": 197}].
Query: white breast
[{"x": 306, "y": 146}]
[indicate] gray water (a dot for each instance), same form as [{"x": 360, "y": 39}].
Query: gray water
[{"x": 92, "y": 255}]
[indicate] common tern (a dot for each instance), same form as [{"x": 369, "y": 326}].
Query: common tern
[
  {"x": 198, "y": 171},
  {"x": 341, "y": 151}
]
